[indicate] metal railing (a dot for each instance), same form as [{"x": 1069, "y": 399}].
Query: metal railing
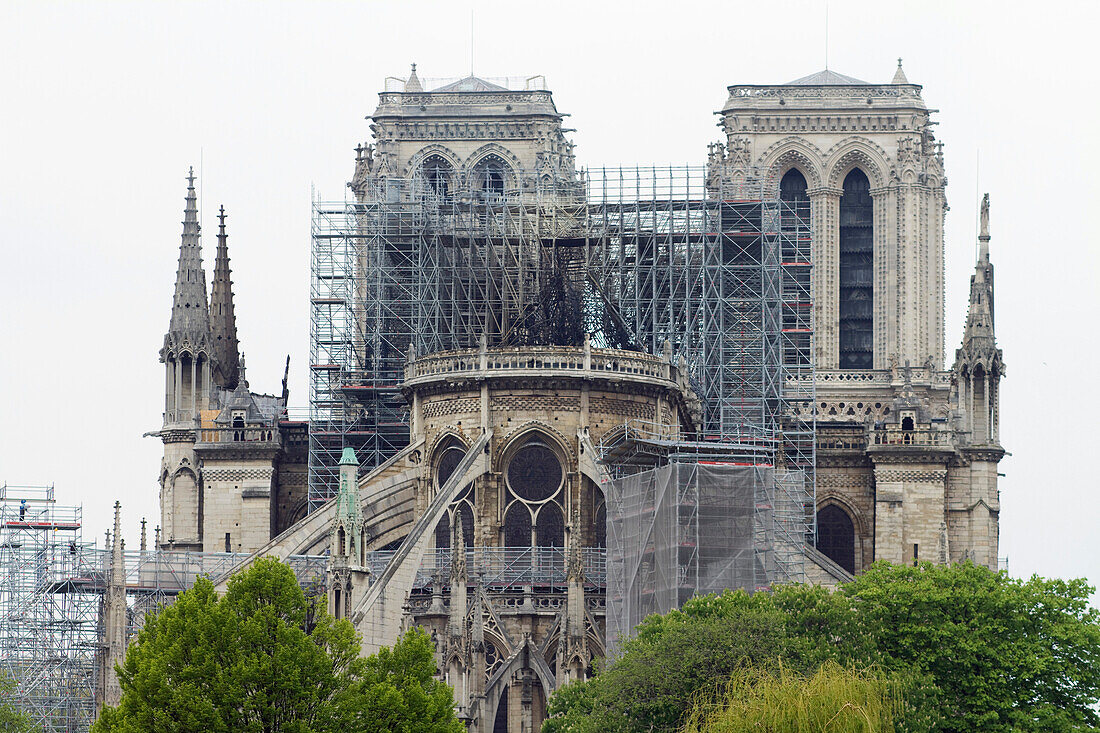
[{"x": 501, "y": 567}]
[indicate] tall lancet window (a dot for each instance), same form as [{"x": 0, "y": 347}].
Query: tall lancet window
[
  {"x": 856, "y": 273},
  {"x": 792, "y": 187}
]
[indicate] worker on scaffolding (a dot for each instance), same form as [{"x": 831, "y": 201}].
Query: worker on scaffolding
[{"x": 22, "y": 509}]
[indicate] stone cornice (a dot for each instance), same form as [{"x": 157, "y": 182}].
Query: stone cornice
[
  {"x": 238, "y": 451},
  {"x": 177, "y": 435},
  {"x": 753, "y": 97},
  {"x": 992, "y": 454},
  {"x": 238, "y": 474},
  {"x": 925, "y": 476},
  {"x": 911, "y": 455},
  {"x": 843, "y": 460}
]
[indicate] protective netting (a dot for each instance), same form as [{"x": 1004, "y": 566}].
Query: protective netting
[{"x": 688, "y": 529}]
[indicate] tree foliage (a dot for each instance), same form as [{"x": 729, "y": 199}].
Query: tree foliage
[
  {"x": 12, "y": 718},
  {"x": 264, "y": 658},
  {"x": 1005, "y": 654},
  {"x": 675, "y": 657},
  {"x": 834, "y": 698},
  {"x": 973, "y": 650}
]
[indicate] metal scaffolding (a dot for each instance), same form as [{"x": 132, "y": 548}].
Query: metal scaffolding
[
  {"x": 633, "y": 256},
  {"x": 692, "y": 527},
  {"x": 52, "y": 586},
  {"x": 48, "y": 625}
]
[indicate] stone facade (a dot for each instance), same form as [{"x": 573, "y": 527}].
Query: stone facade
[{"x": 471, "y": 134}]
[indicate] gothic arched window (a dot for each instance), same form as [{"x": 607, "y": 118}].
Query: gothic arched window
[
  {"x": 550, "y": 527},
  {"x": 491, "y": 176},
  {"x": 601, "y": 526},
  {"x": 517, "y": 526},
  {"x": 534, "y": 478},
  {"x": 836, "y": 536},
  {"x": 462, "y": 507},
  {"x": 856, "y": 273},
  {"x": 792, "y": 187},
  {"x": 437, "y": 174}
]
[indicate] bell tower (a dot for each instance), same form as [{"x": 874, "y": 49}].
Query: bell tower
[
  {"x": 187, "y": 355},
  {"x": 906, "y": 450}
]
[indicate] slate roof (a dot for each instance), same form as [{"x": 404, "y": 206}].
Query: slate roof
[
  {"x": 471, "y": 84},
  {"x": 825, "y": 78}
]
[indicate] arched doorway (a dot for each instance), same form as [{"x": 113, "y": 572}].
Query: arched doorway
[{"x": 836, "y": 536}]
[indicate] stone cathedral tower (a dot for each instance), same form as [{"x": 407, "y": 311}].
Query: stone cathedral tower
[
  {"x": 233, "y": 472},
  {"x": 907, "y": 451}
]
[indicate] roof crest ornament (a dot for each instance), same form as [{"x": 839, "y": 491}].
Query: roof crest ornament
[
  {"x": 899, "y": 75},
  {"x": 413, "y": 84}
]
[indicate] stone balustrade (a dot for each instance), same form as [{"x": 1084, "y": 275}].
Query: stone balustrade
[
  {"x": 894, "y": 436},
  {"x": 884, "y": 377},
  {"x": 239, "y": 435},
  {"x": 572, "y": 361}
]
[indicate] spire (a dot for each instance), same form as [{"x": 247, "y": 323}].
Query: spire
[
  {"x": 983, "y": 238},
  {"x": 112, "y": 632},
  {"x": 899, "y": 75},
  {"x": 349, "y": 515},
  {"x": 979, "y": 334},
  {"x": 118, "y": 571},
  {"x": 223, "y": 321},
  {"x": 189, "y": 328},
  {"x": 413, "y": 84},
  {"x": 144, "y": 546}
]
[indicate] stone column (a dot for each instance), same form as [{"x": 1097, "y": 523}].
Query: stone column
[
  {"x": 168, "y": 390},
  {"x": 825, "y": 249},
  {"x": 995, "y": 416},
  {"x": 205, "y": 383},
  {"x": 887, "y": 276},
  {"x": 194, "y": 397},
  {"x": 179, "y": 391},
  {"x": 985, "y": 409}
]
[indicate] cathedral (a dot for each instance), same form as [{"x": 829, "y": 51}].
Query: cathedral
[{"x": 498, "y": 443}]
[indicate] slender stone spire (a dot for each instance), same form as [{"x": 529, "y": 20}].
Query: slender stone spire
[
  {"x": 223, "y": 320},
  {"x": 112, "y": 640},
  {"x": 118, "y": 572},
  {"x": 979, "y": 333},
  {"x": 189, "y": 329}
]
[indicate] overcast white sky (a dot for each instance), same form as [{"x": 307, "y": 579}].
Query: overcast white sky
[{"x": 103, "y": 106}]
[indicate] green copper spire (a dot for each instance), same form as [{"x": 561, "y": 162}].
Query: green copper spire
[{"x": 347, "y": 525}]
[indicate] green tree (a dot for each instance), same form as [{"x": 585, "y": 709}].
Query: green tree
[
  {"x": 12, "y": 719},
  {"x": 265, "y": 658},
  {"x": 397, "y": 692},
  {"x": 834, "y": 698},
  {"x": 675, "y": 657},
  {"x": 1005, "y": 654},
  {"x": 973, "y": 650}
]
